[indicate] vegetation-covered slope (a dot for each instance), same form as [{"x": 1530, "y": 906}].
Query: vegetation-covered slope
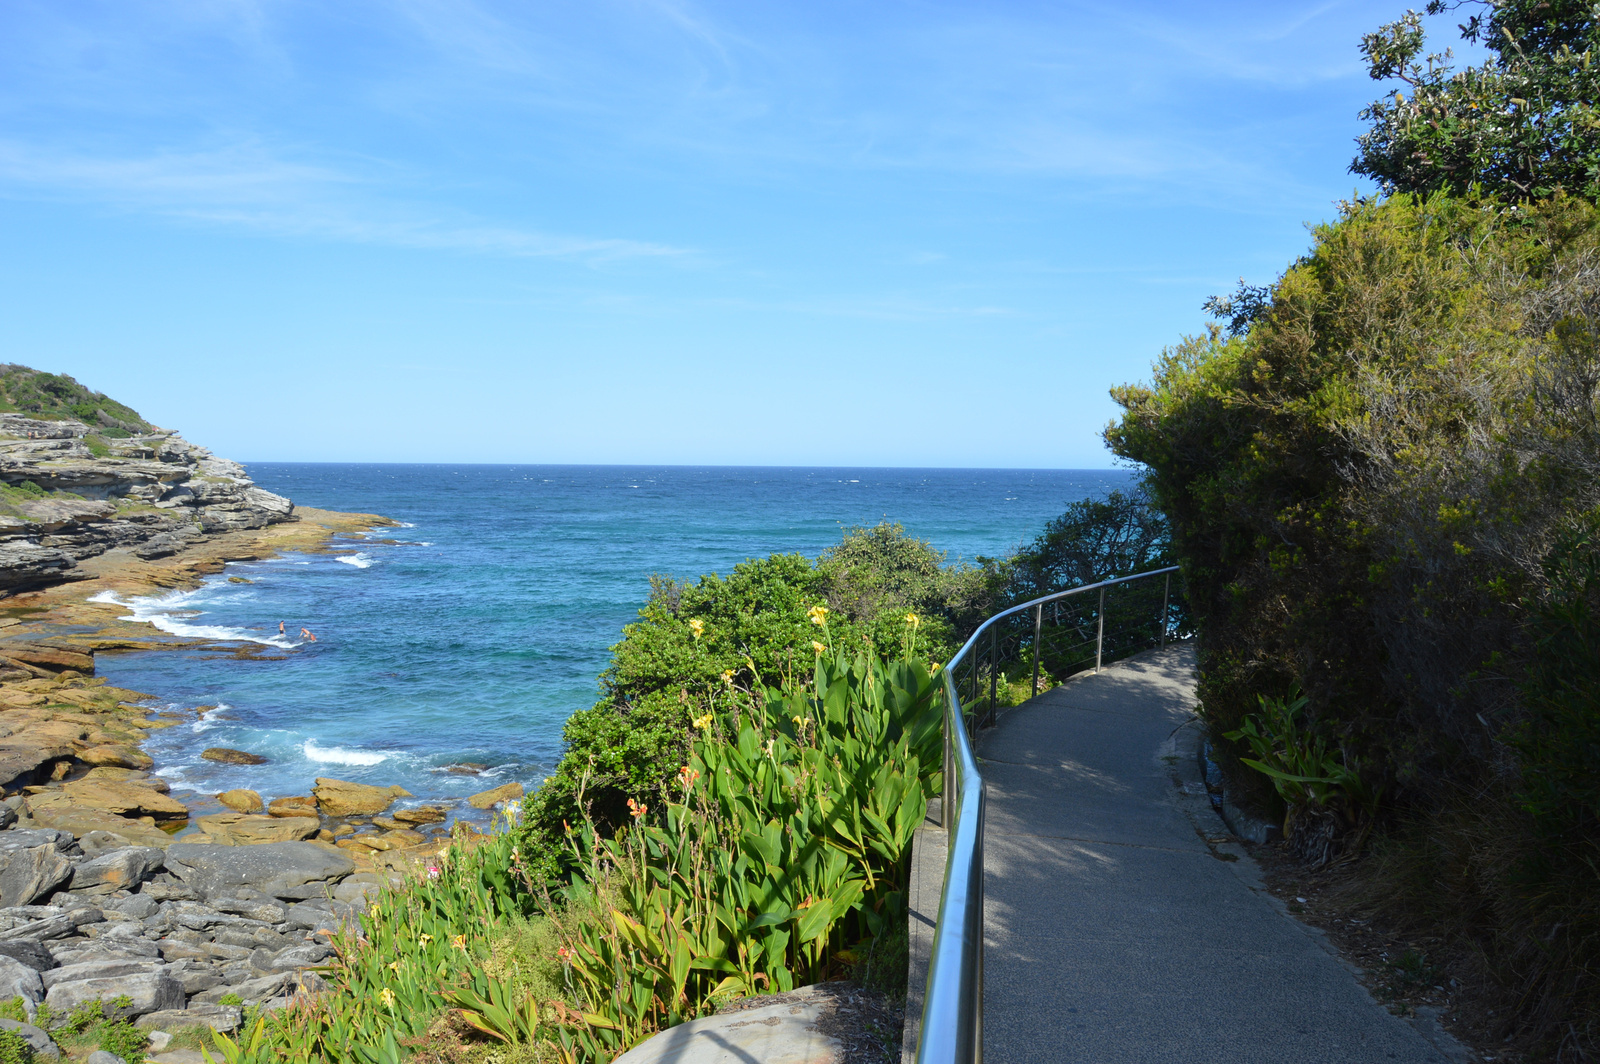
[{"x": 54, "y": 397}]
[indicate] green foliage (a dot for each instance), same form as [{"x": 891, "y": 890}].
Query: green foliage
[
  {"x": 1374, "y": 492},
  {"x": 14, "y": 1049},
  {"x": 711, "y": 645},
  {"x": 54, "y": 397},
  {"x": 15, "y": 1009},
  {"x": 1118, "y": 535},
  {"x": 1523, "y": 126},
  {"x": 124, "y": 1040}
]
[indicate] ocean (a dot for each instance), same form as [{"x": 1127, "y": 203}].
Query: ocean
[{"x": 485, "y": 623}]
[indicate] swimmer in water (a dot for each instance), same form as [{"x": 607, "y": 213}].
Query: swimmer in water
[
  {"x": 280, "y": 627},
  {"x": 305, "y": 633}
]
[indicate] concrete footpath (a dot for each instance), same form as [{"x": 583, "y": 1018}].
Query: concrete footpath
[{"x": 1120, "y": 924}]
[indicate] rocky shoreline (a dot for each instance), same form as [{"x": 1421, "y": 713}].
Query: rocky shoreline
[{"x": 100, "y": 902}]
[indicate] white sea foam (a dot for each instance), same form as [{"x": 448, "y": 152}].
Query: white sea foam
[
  {"x": 169, "y": 613},
  {"x": 360, "y": 559},
  {"x": 339, "y": 755}
]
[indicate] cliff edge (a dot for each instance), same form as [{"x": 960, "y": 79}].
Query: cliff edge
[{"x": 70, "y": 492}]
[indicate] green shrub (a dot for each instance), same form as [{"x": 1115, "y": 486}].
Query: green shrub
[
  {"x": 230, "y": 999},
  {"x": 124, "y": 1040},
  {"x": 15, "y": 1009},
  {"x": 14, "y": 1049}
]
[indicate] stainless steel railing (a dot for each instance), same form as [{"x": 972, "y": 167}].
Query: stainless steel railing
[{"x": 952, "y": 1007}]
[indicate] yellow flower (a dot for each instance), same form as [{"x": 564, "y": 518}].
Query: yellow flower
[
  {"x": 703, "y": 723},
  {"x": 912, "y": 620},
  {"x": 933, "y": 667},
  {"x": 727, "y": 677},
  {"x": 800, "y": 723},
  {"x": 818, "y": 614},
  {"x": 394, "y": 966},
  {"x": 424, "y": 938},
  {"x": 636, "y": 809},
  {"x": 387, "y": 997},
  {"x": 459, "y": 942},
  {"x": 698, "y": 627},
  {"x": 818, "y": 647}
]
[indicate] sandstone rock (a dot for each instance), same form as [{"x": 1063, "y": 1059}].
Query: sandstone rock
[
  {"x": 117, "y": 870},
  {"x": 116, "y": 755},
  {"x": 146, "y": 992},
  {"x": 280, "y": 869},
  {"x": 241, "y": 800},
  {"x": 99, "y": 969},
  {"x": 341, "y": 798},
  {"x": 465, "y": 768},
  {"x": 776, "y": 1034},
  {"x": 424, "y": 814},
  {"x": 128, "y": 775},
  {"x": 31, "y": 874},
  {"x": 43, "y": 1047},
  {"x": 298, "y": 805},
  {"x": 20, "y": 980},
  {"x": 124, "y": 798},
  {"x": 138, "y": 906},
  {"x": 56, "y": 810},
  {"x": 260, "y": 908},
  {"x": 510, "y": 792},
  {"x": 32, "y": 954},
  {"x": 25, "y": 565},
  {"x": 224, "y": 1018},
  {"x": 245, "y": 829},
  {"x": 21, "y": 762},
  {"x": 251, "y": 991},
  {"x": 54, "y": 659},
  {"x": 224, "y": 755}
]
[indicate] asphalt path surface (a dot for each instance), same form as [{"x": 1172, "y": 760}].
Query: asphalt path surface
[{"x": 1121, "y": 925}]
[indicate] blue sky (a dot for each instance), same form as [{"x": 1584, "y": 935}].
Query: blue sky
[{"x": 895, "y": 233}]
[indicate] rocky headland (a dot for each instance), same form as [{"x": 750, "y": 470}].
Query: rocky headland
[{"x": 112, "y": 890}]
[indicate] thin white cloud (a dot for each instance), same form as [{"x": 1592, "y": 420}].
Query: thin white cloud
[{"x": 246, "y": 187}]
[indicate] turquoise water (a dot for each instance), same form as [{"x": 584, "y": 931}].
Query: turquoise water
[{"x": 476, "y": 635}]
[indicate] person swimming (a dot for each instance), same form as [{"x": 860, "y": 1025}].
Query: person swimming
[{"x": 305, "y": 633}]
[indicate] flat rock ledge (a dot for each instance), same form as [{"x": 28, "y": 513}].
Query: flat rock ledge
[{"x": 828, "y": 1023}]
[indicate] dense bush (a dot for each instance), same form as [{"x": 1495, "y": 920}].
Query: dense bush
[
  {"x": 710, "y": 646},
  {"x": 1377, "y": 492}
]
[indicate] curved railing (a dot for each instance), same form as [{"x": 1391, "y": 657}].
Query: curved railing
[{"x": 952, "y": 1010}]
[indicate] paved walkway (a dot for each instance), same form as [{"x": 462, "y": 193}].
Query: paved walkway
[{"x": 1115, "y": 932}]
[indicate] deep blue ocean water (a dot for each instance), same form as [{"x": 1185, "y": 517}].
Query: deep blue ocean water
[{"x": 477, "y": 635}]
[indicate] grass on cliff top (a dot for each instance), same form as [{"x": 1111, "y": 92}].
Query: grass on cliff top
[{"x": 56, "y": 397}]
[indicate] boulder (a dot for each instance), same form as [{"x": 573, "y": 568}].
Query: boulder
[
  {"x": 43, "y": 1047},
  {"x": 251, "y": 991},
  {"x": 117, "y": 870},
  {"x": 341, "y": 798},
  {"x": 31, "y": 874},
  {"x": 224, "y": 1018},
  {"x": 146, "y": 992},
  {"x": 245, "y": 829},
  {"x": 124, "y": 798},
  {"x": 116, "y": 755},
  {"x": 21, "y": 761},
  {"x": 224, "y": 755},
  {"x": 784, "y": 1033},
  {"x": 33, "y": 954},
  {"x": 241, "y": 801},
  {"x": 423, "y": 814},
  {"x": 127, "y": 775},
  {"x": 298, "y": 805},
  {"x": 102, "y": 968},
  {"x": 101, "y": 1056},
  {"x": 465, "y": 768},
  {"x": 54, "y": 809},
  {"x": 280, "y": 869},
  {"x": 487, "y": 799},
  {"x": 54, "y": 659},
  {"x": 20, "y": 980}
]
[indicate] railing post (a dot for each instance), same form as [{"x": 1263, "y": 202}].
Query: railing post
[
  {"x": 1166, "y": 604},
  {"x": 1038, "y": 619},
  {"x": 1100, "y": 631}
]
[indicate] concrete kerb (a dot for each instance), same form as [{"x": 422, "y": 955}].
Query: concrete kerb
[{"x": 929, "y": 849}]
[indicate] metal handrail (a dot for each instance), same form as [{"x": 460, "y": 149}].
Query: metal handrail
[{"x": 952, "y": 1007}]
